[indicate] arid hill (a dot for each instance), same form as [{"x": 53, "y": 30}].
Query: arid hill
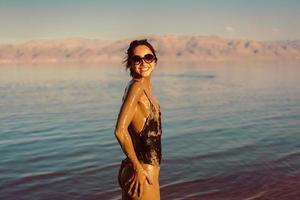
[{"x": 169, "y": 48}]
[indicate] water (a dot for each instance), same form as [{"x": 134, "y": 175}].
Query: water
[{"x": 230, "y": 131}]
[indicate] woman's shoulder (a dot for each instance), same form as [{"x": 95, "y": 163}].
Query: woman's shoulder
[{"x": 133, "y": 86}]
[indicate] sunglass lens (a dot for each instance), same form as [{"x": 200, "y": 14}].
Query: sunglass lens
[
  {"x": 149, "y": 58},
  {"x": 136, "y": 59}
]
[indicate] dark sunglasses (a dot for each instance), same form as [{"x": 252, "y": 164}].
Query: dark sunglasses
[{"x": 148, "y": 58}]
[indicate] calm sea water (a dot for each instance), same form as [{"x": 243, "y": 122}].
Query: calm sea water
[{"x": 230, "y": 132}]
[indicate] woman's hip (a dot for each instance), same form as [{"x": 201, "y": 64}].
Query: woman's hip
[{"x": 126, "y": 172}]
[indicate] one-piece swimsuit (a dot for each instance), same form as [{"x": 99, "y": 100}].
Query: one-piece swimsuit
[{"x": 147, "y": 143}]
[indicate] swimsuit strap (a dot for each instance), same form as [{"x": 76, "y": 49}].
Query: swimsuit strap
[{"x": 151, "y": 104}]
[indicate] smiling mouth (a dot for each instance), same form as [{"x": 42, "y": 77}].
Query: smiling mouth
[{"x": 144, "y": 69}]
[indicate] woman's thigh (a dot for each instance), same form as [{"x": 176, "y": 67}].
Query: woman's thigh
[{"x": 151, "y": 192}]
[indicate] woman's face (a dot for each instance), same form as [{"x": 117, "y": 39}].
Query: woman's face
[{"x": 143, "y": 68}]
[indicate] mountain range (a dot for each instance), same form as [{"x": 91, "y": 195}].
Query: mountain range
[{"x": 170, "y": 48}]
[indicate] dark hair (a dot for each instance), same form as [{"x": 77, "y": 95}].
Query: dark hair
[{"x": 129, "y": 54}]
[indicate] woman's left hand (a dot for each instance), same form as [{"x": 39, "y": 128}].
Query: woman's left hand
[{"x": 137, "y": 182}]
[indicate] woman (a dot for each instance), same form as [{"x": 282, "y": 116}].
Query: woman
[{"x": 138, "y": 128}]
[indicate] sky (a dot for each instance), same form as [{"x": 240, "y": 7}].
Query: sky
[{"x": 263, "y": 20}]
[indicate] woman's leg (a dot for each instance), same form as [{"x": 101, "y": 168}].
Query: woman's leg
[{"x": 150, "y": 192}]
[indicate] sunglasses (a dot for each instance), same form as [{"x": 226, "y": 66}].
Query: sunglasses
[{"x": 137, "y": 60}]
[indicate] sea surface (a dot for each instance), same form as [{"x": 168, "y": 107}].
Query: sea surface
[{"x": 230, "y": 131}]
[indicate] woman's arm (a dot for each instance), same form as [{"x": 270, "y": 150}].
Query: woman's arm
[{"x": 126, "y": 114}]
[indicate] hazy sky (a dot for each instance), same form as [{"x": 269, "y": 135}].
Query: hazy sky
[{"x": 22, "y": 20}]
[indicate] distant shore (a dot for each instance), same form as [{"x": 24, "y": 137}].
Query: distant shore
[{"x": 170, "y": 48}]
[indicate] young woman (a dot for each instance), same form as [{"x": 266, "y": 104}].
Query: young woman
[{"x": 138, "y": 128}]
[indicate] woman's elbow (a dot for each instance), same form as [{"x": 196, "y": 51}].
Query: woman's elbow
[{"x": 119, "y": 132}]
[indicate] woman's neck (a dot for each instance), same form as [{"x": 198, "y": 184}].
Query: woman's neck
[{"x": 146, "y": 81}]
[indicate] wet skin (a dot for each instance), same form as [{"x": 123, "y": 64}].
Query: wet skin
[{"x": 139, "y": 180}]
